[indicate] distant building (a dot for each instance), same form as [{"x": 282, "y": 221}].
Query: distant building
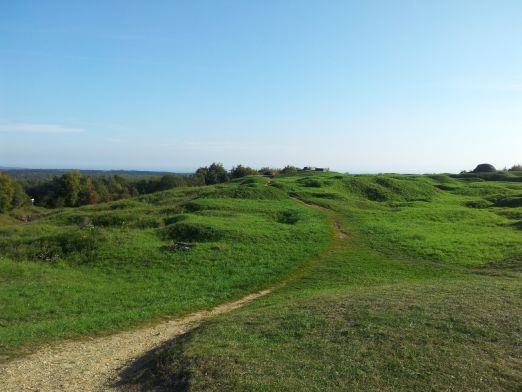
[
  {"x": 322, "y": 169},
  {"x": 485, "y": 168}
]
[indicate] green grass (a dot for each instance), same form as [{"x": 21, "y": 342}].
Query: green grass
[
  {"x": 423, "y": 294},
  {"x": 102, "y": 268}
]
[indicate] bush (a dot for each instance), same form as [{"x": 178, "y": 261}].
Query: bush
[
  {"x": 289, "y": 169},
  {"x": 268, "y": 171},
  {"x": 242, "y": 171}
]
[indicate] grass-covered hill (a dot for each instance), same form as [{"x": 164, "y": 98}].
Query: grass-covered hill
[
  {"x": 399, "y": 282},
  {"x": 76, "y": 271},
  {"x": 422, "y": 293}
]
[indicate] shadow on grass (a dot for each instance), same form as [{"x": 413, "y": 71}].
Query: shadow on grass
[
  {"x": 511, "y": 266},
  {"x": 165, "y": 368}
]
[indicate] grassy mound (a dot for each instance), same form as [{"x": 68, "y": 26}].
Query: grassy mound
[
  {"x": 188, "y": 231},
  {"x": 248, "y": 191},
  {"x": 387, "y": 188},
  {"x": 460, "y": 335}
]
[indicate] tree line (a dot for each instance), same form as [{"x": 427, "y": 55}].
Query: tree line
[
  {"x": 73, "y": 189},
  {"x": 12, "y": 194}
]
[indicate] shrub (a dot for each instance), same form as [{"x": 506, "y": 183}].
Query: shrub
[
  {"x": 268, "y": 171},
  {"x": 242, "y": 171},
  {"x": 289, "y": 169}
]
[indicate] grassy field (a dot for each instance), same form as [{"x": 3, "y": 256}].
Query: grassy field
[
  {"x": 400, "y": 282},
  {"x": 76, "y": 272},
  {"x": 424, "y": 293}
]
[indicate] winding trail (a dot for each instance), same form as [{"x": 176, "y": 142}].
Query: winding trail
[{"x": 96, "y": 364}]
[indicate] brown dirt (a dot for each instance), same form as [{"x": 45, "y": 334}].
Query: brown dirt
[
  {"x": 339, "y": 232},
  {"x": 94, "y": 365}
]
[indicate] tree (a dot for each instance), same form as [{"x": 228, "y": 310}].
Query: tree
[
  {"x": 516, "y": 168},
  {"x": 88, "y": 194},
  {"x": 118, "y": 187},
  {"x": 101, "y": 189},
  {"x": 214, "y": 174},
  {"x": 268, "y": 171},
  {"x": 146, "y": 186},
  {"x": 71, "y": 187},
  {"x": 6, "y": 192},
  {"x": 20, "y": 198},
  {"x": 197, "y": 178},
  {"x": 242, "y": 171},
  {"x": 289, "y": 169},
  {"x": 169, "y": 181}
]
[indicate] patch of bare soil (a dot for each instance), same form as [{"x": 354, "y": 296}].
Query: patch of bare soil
[{"x": 339, "y": 232}]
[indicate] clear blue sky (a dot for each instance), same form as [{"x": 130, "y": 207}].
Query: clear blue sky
[{"x": 360, "y": 86}]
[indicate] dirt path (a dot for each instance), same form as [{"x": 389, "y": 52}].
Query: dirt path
[
  {"x": 339, "y": 233},
  {"x": 94, "y": 365}
]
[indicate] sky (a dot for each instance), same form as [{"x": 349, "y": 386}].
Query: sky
[{"x": 356, "y": 86}]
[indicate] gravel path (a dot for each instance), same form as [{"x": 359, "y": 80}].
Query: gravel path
[{"x": 95, "y": 365}]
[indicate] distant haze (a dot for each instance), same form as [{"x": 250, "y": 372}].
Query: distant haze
[{"x": 399, "y": 86}]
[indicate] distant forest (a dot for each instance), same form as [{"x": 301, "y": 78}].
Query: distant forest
[
  {"x": 73, "y": 188},
  {"x": 35, "y": 176}
]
